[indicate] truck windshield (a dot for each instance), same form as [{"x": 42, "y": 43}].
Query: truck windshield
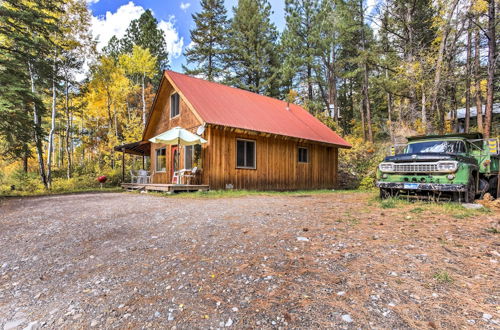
[{"x": 451, "y": 147}]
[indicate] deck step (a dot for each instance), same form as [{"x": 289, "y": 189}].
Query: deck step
[{"x": 163, "y": 187}]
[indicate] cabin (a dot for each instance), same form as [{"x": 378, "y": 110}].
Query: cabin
[{"x": 251, "y": 141}]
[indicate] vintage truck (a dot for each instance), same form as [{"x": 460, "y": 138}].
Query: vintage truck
[{"x": 458, "y": 167}]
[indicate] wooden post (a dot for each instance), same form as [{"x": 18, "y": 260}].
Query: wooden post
[
  {"x": 143, "y": 162},
  {"x": 123, "y": 165}
]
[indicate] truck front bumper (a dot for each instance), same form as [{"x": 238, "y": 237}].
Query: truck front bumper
[{"x": 413, "y": 186}]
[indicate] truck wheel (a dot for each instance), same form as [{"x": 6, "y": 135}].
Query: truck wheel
[
  {"x": 493, "y": 186},
  {"x": 386, "y": 193},
  {"x": 470, "y": 194}
]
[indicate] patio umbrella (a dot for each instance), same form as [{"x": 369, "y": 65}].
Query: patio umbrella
[{"x": 179, "y": 136}]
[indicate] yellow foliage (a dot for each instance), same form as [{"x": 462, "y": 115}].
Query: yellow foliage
[
  {"x": 140, "y": 61},
  {"x": 479, "y": 6}
]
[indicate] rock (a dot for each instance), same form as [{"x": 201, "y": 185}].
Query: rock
[
  {"x": 487, "y": 316},
  {"x": 302, "y": 239},
  {"x": 94, "y": 323},
  {"x": 32, "y": 326},
  {"x": 472, "y": 206},
  {"x": 170, "y": 317},
  {"x": 340, "y": 293},
  {"x": 157, "y": 314},
  {"x": 347, "y": 318},
  {"x": 393, "y": 274},
  {"x": 235, "y": 309},
  {"x": 229, "y": 323},
  {"x": 13, "y": 324}
]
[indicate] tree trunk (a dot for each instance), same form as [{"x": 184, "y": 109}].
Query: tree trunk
[
  {"x": 25, "y": 159},
  {"x": 52, "y": 130},
  {"x": 362, "y": 113},
  {"x": 367, "y": 103},
  {"x": 477, "y": 81},
  {"x": 333, "y": 88},
  {"x": 143, "y": 101},
  {"x": 309, "y": 83},
  {"x": 424, "y": 112},
  {"x": 38, "y": 130},
  {"x": 435, "y": 107},
  {"x": 68, "y": 131},
  {"x": 491, "y": 69},
  {"x": 366, "y": 96},
  {"x": 467, "y": 79}
]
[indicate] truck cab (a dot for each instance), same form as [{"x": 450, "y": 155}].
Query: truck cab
[{"x": 454, "y": 167}]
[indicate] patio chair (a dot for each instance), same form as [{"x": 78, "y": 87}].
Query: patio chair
[
  {"x": 133, "y": 178},
  {"x": 192, "y": 175},
  {"x": 143, "y": 176},
  {"x": 175, "y": 177}
]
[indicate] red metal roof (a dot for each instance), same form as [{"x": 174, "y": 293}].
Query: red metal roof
[{"x": 228, "y": 106}]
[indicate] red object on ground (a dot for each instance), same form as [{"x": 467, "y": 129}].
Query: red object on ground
[
  {"x": 102, "y": 179},
  {"x": 228, "y": 106}
]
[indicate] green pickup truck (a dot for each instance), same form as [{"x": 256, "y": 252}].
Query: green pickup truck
[{"x": 456, "y": 167}]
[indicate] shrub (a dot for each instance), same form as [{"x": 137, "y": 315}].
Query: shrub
[{"x": 367, "y": 183}]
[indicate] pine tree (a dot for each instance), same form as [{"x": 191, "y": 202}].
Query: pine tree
[
  {"x": 209, "y": 40},
  {"x": 253, "y": 61},
  {"x": 26, "y": 28},
  {"x": 301, "y": 40}
]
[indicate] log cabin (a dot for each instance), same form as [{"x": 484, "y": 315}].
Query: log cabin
[{"x": 253, "y": 141}]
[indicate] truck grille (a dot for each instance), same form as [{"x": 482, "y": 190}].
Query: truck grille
[{"x": 415, "y": 167}]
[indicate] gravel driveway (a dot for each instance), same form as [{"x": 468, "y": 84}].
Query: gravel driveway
[{"x": 123, "y": 260}]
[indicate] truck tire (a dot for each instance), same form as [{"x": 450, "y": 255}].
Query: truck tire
[
  {"x": 470, "y": 193},
  {"x": 386, "y": 193},
  {"x": 494, "y": 186}
]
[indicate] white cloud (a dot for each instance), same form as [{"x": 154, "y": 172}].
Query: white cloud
[
  {"x": 92, "y": 1},
  {"x": 111, "y": 24},
  {"x": 184, "y": 6},
  {"x": 115, "y": 24},
  {"x": 172, "y": 39}
]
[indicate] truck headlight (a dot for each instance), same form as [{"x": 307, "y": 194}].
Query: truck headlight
[
  {"x": 386, "y": 167},
  {"x": 447, "y": 166}
]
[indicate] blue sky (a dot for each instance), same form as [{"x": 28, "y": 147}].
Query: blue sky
[{"x": 112, "y": 17}]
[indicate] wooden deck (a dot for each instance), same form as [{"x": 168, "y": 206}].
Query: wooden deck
[{"x": 164, "y": 187}]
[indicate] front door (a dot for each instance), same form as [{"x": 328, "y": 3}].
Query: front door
[{"x": 174, "y": 152}]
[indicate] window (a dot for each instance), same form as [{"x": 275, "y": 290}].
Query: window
[
  {"x": 449, "y": 147},
  {"x": 192, "y": 156},
  {"x": 161, "y": 160},
  {"x": 245, "y": 154},
  {"x": 303, "y": 155},
  {"x": 174, "y": 105}
]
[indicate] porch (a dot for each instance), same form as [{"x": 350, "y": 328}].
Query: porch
[
  {"x": 165, "y": 187},
  {"x": 143, "y": 180}
]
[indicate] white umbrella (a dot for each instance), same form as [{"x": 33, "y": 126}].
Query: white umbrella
[{"x": 179, "y": 136}]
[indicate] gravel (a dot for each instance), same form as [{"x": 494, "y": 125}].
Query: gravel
[{"x": 142, "y": 261}]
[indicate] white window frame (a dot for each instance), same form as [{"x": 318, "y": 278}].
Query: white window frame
[
  {"x": 179, "y": 105},
  {"x": 254, "y": 155},
  {"x": 156, "y": 160},
  {"x": 307, "y": 154}
]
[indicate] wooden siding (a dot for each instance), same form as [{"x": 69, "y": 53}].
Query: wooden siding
[
  {"x": 277, "y": 166},
  {"x": 160, "y": 122}
]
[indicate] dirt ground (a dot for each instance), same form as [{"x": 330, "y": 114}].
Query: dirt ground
[{"x": 123, "y": 260}]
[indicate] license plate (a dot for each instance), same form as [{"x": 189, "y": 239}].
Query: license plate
[{"x": 411, "y": 185}]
